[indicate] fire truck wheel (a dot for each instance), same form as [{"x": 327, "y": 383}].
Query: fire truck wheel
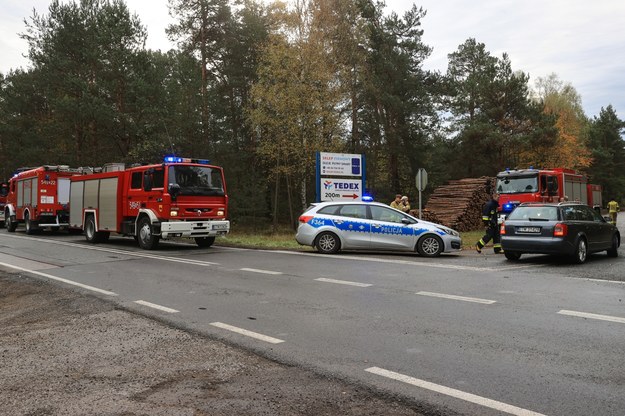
[
  {"x": 91, "y": 234},
  {"x": 204, "y": 241},
  {"x": 10, "y": 223},
  {"x": 31, "y": 227},
  {"x": 147, "y": 239}
]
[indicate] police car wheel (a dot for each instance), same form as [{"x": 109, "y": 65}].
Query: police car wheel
[
  {"x": 430, "y": 246},
  {"x": 328, "y": 243}
]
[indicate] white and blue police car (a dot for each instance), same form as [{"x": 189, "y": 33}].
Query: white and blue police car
[{"x": 361, "y": 225}]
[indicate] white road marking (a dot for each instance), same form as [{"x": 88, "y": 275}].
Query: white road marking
[
  {"x": 343, "y": 282},
  {"x": 123, "y": 252},
  {"x": 593, "y": 316},
  {"x": 60, "y": 279},
  {"x": 458, "y": 394},
  {"x": 247, "y": 333},
  {"x": 397, "y": 261},
  {"x": 259, "y": 271},
  {"x": 454, "y": 297},
  {"x": 598, "y": 280},
  {"x": 155, "y": 306}
]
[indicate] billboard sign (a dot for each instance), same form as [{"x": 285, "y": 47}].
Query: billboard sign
[{"x": 340, "y": 176}]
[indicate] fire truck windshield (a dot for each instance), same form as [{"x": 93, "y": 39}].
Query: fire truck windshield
[
  {"x": 517, "y": 184},
  {"x": 196, "y": 180}
]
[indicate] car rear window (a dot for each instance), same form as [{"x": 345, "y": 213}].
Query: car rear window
[{"x": 542, "y": 213}]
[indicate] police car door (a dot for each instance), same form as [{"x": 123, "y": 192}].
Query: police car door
[
  {"x": 353, "y": 226},
  {"x": 388, "y": 231}
]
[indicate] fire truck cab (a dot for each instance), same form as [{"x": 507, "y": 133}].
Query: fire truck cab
[
  {"x": 38, "y": 198},
  {"x": 178, "y": 198},
  {"x": 544, "y": 185}
]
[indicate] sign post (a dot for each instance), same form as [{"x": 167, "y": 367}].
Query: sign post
[{"x": 422, "y": 180}]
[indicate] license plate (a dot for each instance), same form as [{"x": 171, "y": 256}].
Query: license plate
[
  {"x": 528, "y": 229},
  {"x": 220, "y": 226}
]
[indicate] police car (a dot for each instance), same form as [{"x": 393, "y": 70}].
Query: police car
[{"x": 334, "y": 226}]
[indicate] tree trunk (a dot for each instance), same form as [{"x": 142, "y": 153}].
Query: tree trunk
[{"x": 275, "y": 203}]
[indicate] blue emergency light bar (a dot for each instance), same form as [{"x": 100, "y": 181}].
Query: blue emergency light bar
[
  {"x": 507, "y": 207},
  {"x": 367, "y": 198},
  {"x": 176, "y": 159}
]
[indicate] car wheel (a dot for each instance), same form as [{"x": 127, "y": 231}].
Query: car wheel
[
  {"x": 581, "y": 251},
  {"x": 613, "y": 251},
  {"x": 430, "y": 246},
  {"x": 512, "y": 255},
  {"x": 328, "y": 243}
]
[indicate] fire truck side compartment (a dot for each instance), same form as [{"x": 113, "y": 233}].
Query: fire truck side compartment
[
  {"x": 107, "y": 204},
  {"x": 76, "y": 196}
]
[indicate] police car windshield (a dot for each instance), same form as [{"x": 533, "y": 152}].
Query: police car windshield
[
  {"x": 196, "y": 180},
  {"x": 517, "y": 185}
]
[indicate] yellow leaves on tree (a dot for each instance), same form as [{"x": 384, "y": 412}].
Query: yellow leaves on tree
[{"x": 569, "y": 148}]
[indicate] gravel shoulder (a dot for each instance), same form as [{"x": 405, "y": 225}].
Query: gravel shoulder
[{"x": 63, "y": 352}]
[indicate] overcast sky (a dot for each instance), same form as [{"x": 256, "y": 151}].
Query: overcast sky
[{"x": 583, "y": 42}]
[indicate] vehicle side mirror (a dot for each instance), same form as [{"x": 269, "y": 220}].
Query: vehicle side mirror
[
  {"x": 408, "y": 221},
  {"x": 174, "y": 190}
]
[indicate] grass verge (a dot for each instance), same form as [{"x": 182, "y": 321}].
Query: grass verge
[{"x": 284, "y": 239}]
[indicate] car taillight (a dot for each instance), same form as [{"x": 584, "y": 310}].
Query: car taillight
[
  {"x": 305, "y": 218},
  {"x": 560, "y": 230},
  {"x": 502, "y": 229}
]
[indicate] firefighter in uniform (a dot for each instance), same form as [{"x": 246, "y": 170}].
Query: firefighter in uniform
[
  {"x": 489, "y": 218},
  {"x": 613, "y": 209}
]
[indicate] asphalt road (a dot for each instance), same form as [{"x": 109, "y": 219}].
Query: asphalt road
[{"x": 471, "y": 333}]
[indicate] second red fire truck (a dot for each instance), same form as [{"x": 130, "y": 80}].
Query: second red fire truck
[
  {"x": 39, "y": 198},
  {"x": 177, "y": 198}
]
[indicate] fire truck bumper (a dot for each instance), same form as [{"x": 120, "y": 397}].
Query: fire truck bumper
[{"x": 191, "y": 229}]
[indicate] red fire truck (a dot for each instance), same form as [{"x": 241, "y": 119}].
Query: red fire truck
[
  {"x": 177, "y": 198},
  {"x": 4, "y": 191},
  {"x": 39, "y": 198},
  {"x": 544, "y": 185}
]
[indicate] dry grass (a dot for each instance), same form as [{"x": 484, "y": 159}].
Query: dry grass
[{"x": 285, "y": 239}]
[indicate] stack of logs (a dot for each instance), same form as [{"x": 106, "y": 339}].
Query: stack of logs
[{"x": 458, "y": 204}]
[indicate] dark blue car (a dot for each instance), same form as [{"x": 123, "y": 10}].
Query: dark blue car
[{"x": 570, "y": 229}]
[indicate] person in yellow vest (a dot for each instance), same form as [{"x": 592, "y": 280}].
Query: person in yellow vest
[{"x": 613, "y": 209}]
